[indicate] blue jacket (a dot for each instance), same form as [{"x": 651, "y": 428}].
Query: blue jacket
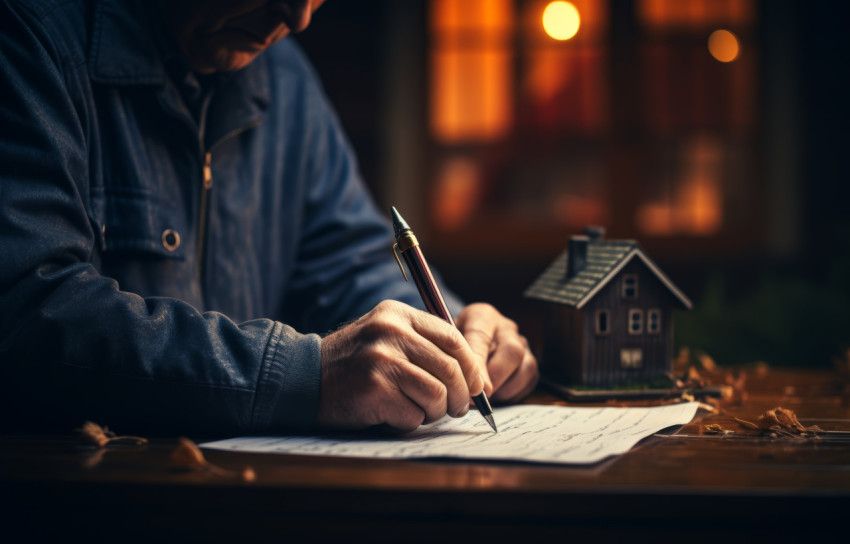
[{"x": 163, "y": 269}]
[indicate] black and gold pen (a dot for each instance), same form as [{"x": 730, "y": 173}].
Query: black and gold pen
[{"x": 408, "y": 245}]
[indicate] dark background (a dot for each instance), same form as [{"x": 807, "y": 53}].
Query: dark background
[{"x": 785, "y": 308}]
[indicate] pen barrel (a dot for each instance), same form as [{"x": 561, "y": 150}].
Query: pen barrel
[{"x": 427, "y": 285}]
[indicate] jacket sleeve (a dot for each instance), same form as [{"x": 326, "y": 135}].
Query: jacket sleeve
[
  {"x": 73, "y": 346},
  {"x": 345, "y": 263}
]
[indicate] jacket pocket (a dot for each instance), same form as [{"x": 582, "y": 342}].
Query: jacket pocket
[{"x": 133, "y": 221}]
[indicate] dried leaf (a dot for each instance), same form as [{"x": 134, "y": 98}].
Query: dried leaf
[
  {"x": 748, "y": 424},
  {"x": 707, "y": 407},
  {"x": 714, "y": 428},
  {"x": 783, "y": 419},
  {"x": 706, "y": 361},
  {"x": 93, "y": 433},
  {"x": 188, "y": 455},
  {"x": 780, "y": 421},
  {"x": 737, "y": 381},
  {"x": 680, "y": 363},
  {"x": 694, "y": 377}
]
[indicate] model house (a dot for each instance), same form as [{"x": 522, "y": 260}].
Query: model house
[{"x": 608, "y": 314}]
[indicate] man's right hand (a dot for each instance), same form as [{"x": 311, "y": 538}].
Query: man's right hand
[{"x": 398, "y": 366}]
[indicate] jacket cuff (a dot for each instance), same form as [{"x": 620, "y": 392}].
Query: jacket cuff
[{"x": 288, "y": 390}]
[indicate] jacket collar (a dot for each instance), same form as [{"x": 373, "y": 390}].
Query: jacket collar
[{"x": 126, "y": 50}]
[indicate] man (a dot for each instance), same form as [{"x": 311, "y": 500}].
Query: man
[{"x": 181, "y": 215}]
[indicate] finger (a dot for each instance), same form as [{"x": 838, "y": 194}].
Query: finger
[
  {"x": 397, "y": 330},
  {"x": 521, "y": 382},
  {"x": 450, "y": 341},
  {"x": 478, "y": 323},
  {"x": 418, "y": 386},
  {"x": 438, "y": 366},
  {"x": 480, "y": 342},
  {"x": 400, "y": 412},
  {"x": 509, "y": 351}
]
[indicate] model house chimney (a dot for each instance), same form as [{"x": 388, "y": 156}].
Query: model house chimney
[
  {"x": 594, "y": 232},
  {"x": 576, "y": 255}
]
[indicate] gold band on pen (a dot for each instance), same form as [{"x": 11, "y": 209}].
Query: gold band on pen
[{"x": 405, "y": 241}]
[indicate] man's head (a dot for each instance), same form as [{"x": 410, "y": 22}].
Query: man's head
[{"x": 223, "y": 35}]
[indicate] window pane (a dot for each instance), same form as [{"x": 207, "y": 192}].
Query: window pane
[
  {"x": 629, "y": 286},
  {"x": 635, "y": 321},
  {"x": 653, "y": 319},
  {"x": 601, "y": 321}
]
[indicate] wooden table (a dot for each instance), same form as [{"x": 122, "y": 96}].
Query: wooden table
[{"x": 685, "y": 487}]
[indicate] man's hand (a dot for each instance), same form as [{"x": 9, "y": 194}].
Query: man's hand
[
  {"x": 398, "y": 366},
  {"x": 511, "y": 369}
]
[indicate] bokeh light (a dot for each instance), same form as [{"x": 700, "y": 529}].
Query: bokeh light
[
  {"x": 561, "y": 20},
  {"x": 723, "y": 45}
]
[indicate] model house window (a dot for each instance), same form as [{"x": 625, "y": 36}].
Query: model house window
[
  {"x": 602, "y": 323},
  {"x": 630, "y": 285},
  {"x": 653, "y": 321},
  {"x": 631, "y": 358},
  {"x": 635, "y": 321}
]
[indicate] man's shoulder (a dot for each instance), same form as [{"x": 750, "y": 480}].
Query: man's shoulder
[
  {"x": 64, "y": 20},
  {"x": 43, "y": 8},
  {"x": 288, "y": 55}
]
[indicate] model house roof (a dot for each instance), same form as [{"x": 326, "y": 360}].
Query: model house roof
[{"x": 603, "y": 259}]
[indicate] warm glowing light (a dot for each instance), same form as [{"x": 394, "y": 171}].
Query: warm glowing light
[
  {"x": 457, "y": 193},
  {"x": 561, "y": 20},
  {"x": 723, "y": 45},
  {"x": 471, "y": 70}
]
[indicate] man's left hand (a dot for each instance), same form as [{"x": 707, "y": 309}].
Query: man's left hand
[{"x": 510, "y": 368}]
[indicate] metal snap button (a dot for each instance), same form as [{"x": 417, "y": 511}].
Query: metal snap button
[{"x": 170, "y": 239}]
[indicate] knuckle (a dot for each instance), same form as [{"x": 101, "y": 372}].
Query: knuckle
[
  {"x": 381, "y": 325},
  {"x": 514, "y": 350},
  {"x": 478, "y": 333},
  {"x": 439, "y": 402},
  {"x": 455, "y": 340}
]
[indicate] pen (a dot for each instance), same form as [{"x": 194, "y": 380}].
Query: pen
[{"x": 408, "y": 245}]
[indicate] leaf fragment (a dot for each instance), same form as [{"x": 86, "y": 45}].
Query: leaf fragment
[
  {"x": 188, "y": 455},
  {"x": 714, "y": 428},
  {"x": 92, "y": 433},
  {"x": 747, "y": 424}
]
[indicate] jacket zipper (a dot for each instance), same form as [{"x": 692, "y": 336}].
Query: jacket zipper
[{"x": 207, "y": 183}]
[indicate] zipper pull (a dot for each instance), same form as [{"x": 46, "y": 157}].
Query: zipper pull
[{"x": 207, "y": 170}]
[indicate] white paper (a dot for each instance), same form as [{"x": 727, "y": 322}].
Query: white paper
[{"x": 527, "y": 432}]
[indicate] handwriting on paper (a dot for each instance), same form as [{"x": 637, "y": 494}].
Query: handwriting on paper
[{"x": 527, "y": 432}]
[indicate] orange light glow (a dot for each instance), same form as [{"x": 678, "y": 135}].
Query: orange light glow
[
  {"x": 574, "y": 210},
  {"x": 457, "y": 193},
  {"x": 471, "y": 95},
  {"x": 695, "y": 206},
  {"x": 723, "y": 45},
  {"x": 561, "y": 20}
]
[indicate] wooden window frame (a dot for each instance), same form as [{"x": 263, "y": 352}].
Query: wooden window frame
[
  {"x": 625, "y": 287},
  {"x": 649, "y": 314},
  {"x": 639, "y": 313},
  {"x": 631, "y": 364},
  {"x": 607, "y": 314}
]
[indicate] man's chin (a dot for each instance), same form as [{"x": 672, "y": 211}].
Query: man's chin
[{"x": 222, "y": 61}]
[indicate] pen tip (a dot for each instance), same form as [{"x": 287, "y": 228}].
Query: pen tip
[
  {"x": 399, "y": 224},
  {"x": 492, "y": 422}
]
